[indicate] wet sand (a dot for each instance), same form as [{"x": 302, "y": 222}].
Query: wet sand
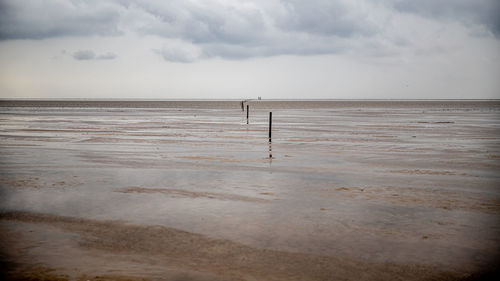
[
  {"x": 186, "y": 190},
  {"x": 146, "y": 247}
]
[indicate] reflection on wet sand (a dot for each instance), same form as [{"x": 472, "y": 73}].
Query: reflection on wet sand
[{"x": 192, "y": 194}]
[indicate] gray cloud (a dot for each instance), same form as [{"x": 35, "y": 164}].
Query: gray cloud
[
  {"x": 46, "y": 19},
  {"x": 209, "y": 23},
  {"x": 483, "y": 12},
  {"x": 238, "y": 30},
  {"x": 328, "y": 18},
  {"x": 90, "y": 55},
  {"x": 84, "y": 55}
]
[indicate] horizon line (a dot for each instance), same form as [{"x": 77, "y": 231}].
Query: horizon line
[{"x": 245, "y": 99}]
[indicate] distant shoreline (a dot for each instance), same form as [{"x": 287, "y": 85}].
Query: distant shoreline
[{"x": 239, "y": 99}]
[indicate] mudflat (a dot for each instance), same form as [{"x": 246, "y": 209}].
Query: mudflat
[{"x": 354, "y": 190}]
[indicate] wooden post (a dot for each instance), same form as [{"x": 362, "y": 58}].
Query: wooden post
[
  {"x": 247, "y": 113},
  {"x": 270, "y": 124}
]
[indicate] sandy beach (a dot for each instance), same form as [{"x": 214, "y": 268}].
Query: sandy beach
[{"x": 186, "y": 190}]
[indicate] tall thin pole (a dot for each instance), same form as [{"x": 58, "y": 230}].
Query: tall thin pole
[
  {"x": 270, "y": 124},
  {"x": 247, "y": 113}
]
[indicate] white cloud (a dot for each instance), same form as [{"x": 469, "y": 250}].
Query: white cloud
[{"x": 179, "y": 51}]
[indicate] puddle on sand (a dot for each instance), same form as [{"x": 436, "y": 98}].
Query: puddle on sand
[{"x": 363, "y": 183}]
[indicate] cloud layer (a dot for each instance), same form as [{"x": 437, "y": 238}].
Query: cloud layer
[{"x": 239, "y": 29}]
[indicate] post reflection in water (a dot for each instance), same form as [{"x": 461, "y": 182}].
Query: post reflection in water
[{"x": 270, "y": 150}]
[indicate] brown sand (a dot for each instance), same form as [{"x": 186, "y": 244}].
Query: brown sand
[{"x": 102, "y": 248}]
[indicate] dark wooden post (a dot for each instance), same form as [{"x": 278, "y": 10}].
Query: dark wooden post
[
  {"x": 247, "y": 113},
  {"x": 270, "y": 129},
  {"x": 270, "y": 124}
]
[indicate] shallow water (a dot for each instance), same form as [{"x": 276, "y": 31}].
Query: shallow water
[{"x": 407, "y": 182}]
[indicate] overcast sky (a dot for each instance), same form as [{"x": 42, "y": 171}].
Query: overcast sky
[{"x": 243, "y": 49}]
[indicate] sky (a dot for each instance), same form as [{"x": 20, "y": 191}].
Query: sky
[{"x": 224, "y": 49}]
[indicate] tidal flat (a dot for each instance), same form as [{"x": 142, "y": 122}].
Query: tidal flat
[{"x": 187, "y": 190}]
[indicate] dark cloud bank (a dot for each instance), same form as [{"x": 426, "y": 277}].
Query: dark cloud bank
[
  {"x": 234, "y": 29},
  {"x": 469, "y": 12}
]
